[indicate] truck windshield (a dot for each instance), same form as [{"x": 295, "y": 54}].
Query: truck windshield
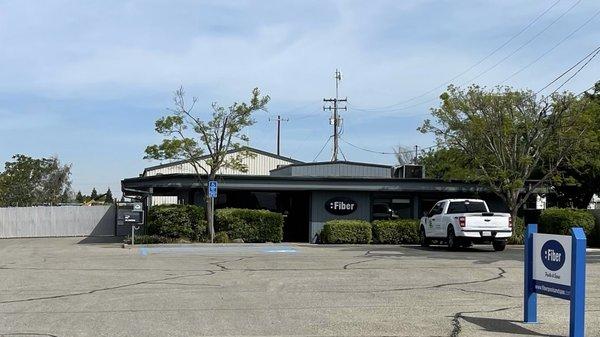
[{"x": 466, "y": 207}]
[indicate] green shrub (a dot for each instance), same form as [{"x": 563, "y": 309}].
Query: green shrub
[
  {"x": 560, "y": 220},
  {"x": 396, "y": 231},
  {"x": 346, "y": 231},
  {"x": 517, "y": 237},
  {"x": 177, "y": 221},
  {"x": 250, "y": 225},
  {"x": 221, "y": 237}
]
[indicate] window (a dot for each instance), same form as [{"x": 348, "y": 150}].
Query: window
[
  {"x": 392, "y": 208},
  {"x": 437, "y": 209},
  {"x": 466, "y": 207}
]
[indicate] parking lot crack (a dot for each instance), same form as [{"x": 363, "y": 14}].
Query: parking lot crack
[
  {"x": 8, "y": 334},
  {"x": 485, "y": 293},
  {"x": 221, "y": 264},
  {"x": 456, "y": 325},
  {"x": 357, "y": 262},
  {"x": 89, "y": 292},
  {"x": 437, "y": 286}
]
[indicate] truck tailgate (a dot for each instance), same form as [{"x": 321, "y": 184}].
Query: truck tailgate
[{"x": 486, "y": 222}]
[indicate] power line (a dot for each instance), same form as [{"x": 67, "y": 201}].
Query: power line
[
  {"x": 524, "y": 44},
  {"x": 343, "y": 155},
  {"x": 577, "y": 72},
  {"x": 531, "y": 23},
  {"x": 553, "y": 47},
  {"x": 382, "y": 152},
  {"x": 571, "y": 68},
  {"x": 318, "y": 154}
]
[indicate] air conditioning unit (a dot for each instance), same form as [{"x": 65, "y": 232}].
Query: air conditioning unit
[{"x": 409, "y": 171}]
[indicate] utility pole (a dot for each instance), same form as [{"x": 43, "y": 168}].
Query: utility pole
[
  {"x": 279, "y": 120},
  {"x": 416, "y": 153},
  {"x": 335, "y": 120}
]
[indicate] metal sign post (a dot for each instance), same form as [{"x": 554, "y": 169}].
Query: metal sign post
[
  {"x": 212, "y": 194},
  {"x": 555, "y": 266}
]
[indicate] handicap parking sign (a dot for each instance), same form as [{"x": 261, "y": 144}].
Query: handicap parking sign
[{"x": 212, "y": 188}]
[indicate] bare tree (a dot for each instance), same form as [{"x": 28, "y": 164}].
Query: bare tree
[
  {"x": 404, "y": 155},
  {"x": 189, "y": 137}
]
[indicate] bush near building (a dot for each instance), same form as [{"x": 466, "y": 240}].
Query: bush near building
[
  {"x": 396, "y": 231},
  {"x": 517, "y": 237},
  {"x": 177, "y": 222},
  {"x": 250, "y": 225},
  {"x": 346, "y": 231},
  {"x": 221, "y": 237},
  {"x": 560, "y": 220}
]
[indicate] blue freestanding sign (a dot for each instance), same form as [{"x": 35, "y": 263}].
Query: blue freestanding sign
[
  {"x": 555, "y": 266},
  {"x": 212, "y": 188}
]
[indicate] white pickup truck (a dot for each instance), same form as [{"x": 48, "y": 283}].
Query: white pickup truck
[{"x": 461, "y": 222}]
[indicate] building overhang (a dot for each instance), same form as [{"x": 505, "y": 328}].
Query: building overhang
[{"x": 276, "y": 183}]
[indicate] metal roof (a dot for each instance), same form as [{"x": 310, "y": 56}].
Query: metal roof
[
  {"x": 248, "y": 148},
  {"x": 334, "y": 169}
]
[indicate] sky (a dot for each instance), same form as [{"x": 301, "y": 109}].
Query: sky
[{"x": 85, "y": 80}]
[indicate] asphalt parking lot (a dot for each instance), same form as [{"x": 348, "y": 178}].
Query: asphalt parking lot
[{"x": 80, "y": 287}]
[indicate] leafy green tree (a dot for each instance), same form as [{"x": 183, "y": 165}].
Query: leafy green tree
[
  {"x": 108, "y": 196},
  {"x": 506, "y": 134},
  {"x": 79, "y": 197},
  {"x": 447, "y": 164},
  {"x": 187, "y": 136},
  {"x": 30, "y": 181},
  {"x": 578, "y": 178}
]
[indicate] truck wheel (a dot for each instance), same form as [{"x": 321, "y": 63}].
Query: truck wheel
[
  {"x": 499, "y": 245},
  {"x": 423, "y": 240},
  {"x": 451, "y": 239}
]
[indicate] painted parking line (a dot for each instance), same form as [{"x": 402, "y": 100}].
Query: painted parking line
[
  {"x": 217, "y": 249},
  {"x": 280, "y": 250}
]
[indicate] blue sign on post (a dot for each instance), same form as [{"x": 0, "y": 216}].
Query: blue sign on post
[
  {"x": 212, "y": 188},
  {"x": 555, "y": 266}
]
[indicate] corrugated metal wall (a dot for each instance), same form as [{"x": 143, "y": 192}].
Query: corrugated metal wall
[
  {"x": 257, "y": 165},
  {"x": 341, "y": 170},
  {"x": 48, "y": 221}
]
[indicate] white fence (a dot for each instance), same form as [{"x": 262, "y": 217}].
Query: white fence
[{"x": 48, "y": 221}]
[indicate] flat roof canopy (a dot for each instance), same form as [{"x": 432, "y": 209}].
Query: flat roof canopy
[{"x": 133, "y": 186}]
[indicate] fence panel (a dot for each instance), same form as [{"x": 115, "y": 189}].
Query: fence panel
[{"x": 52, "y": 221}]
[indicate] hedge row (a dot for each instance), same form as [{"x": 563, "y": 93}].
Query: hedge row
[
  {"x": 187, "y": 222},
  {"x": 396, "y": 231},
  {"x": 560, "y": 220},
  {"x": 177, "y": 222},
  {"x": 250, "y": 225},
  {"x": 552, "y": 221},
  {"x": 381, "y": 231},
  {"x": 346, "y": 231}
]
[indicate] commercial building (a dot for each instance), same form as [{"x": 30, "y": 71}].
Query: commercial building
[{"x": 308, "y": 194}]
